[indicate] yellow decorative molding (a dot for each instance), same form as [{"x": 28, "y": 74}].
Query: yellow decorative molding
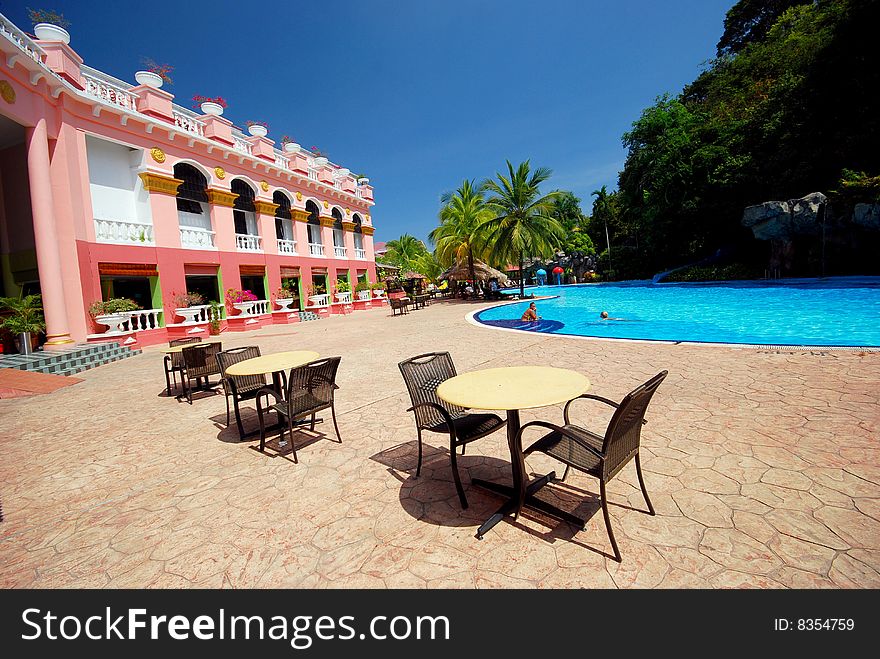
[
  {"x": 326, "y": 204},
  {"x": 157, "y": 154},
  {"x": 300, "y": 215},
  {"x": 160, "y": 183},
  {"x": 219, "y": 172},
  {"x": 7, "y": 92},
  {"x": 348, "y": 226},
  {"x": 327, "y": 221},
  {"x": 266, "y": 207},
  {"x": 348, "y": 211},
  {"x": 264, "y": 186},
  {"x": 299, "y": 196},
  {"x": 368, "y": 218},
  {"x": 221, "y": 197},
  {"x": 367, "y": 231}
]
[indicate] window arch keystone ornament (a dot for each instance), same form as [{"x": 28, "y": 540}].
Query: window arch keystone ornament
[
  {"x": 264, "y": 186},
  {"x": 348, "y": 211},
  {"x": 299, "y": 196},
  {"x": 326, "y": 204},
  {"x": 219, "y": 172},
  {"x": 157, "y": 154}
]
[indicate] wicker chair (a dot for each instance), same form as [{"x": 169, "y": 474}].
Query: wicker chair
[
  {"x": 310, "y": 389},
  {"x": 239, "y": 387},
  {"x": 423, "y": 374},
  {"x": 199, "y": 363},
  {"x": 597, "y": 455},
  {"x": 174, "y": 361},
  {"x": 398, "y": 305}
]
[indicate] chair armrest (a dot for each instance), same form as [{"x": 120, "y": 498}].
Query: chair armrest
[
  {"x": 443, "y": 412},
  {"x": 601, "y": 399},
  {"x": 267, "y": 392},
  {"x": 562, "y": 431}
]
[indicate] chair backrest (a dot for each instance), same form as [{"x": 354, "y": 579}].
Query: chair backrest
[
  {"x": 625, "y": 428},
  {"x": 177, "y": 357},
  {"x": 318, "y": 378},
  {"x": 227, "y": 358},
  {"x": 201, "y": 360},
  {"x": 423, "y": 374}
]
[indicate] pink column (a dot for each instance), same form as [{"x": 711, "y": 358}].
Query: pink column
[{"x": 45, "y": 236}]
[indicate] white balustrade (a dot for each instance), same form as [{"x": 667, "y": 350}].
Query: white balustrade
[
  {"x": 316, "y": 249},
  {"x": 282, "y": 161},
  {"x": 189, "y": 124},
  {"x": 248, "y": 243},
  {"x": 195, "y": 238},
  {"x": 313, "y": 174},
  {"x": 124, "y": 232},
  {"x": 339, "y": 252},
  {"x": 320, "y": 300},
  {"x": 358, "y": 193},
  {"x": 360, "y": 253},
  {"x": 344, "y": 298},
  {"x": 200, "y": 313},
  {"x": 241, "y": 144},
  {"x": 261, "y": 307},
  {"x": 20, "y": 39},
  {"x": 142, "y": 319},
  {"x": 109, "y": 93},
  {"x": 286, "y": 246}
]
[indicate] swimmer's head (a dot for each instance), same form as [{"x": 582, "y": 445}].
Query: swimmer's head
[{"x": 603, "y": 315}]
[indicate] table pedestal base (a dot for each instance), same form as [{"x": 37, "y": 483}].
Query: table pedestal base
[{"x": 531, "y": 501}]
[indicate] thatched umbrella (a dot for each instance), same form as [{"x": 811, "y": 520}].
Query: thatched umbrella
[{"x": 460, "y": 272}]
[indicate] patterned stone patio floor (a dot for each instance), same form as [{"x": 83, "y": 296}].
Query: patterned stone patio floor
[{"x": 763, "y": 466}]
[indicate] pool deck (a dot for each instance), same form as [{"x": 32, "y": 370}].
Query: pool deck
[{"x": 763, "y": 466}]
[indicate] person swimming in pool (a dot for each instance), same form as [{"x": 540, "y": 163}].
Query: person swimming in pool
[
  {"x": 531, "y": 313},
  {"x": 604, "y": 316}
]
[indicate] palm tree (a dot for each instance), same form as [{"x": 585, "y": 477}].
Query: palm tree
[
  {"x": 404, "y": 251},
  {"x": 522, "y": 221},
  {"x": 428, "y": 265},
  {"x": 456, "y": 238},
  {"x": 602, "y": 207}
]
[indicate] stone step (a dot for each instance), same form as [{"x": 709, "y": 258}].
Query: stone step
[{"x": 71, "y": 360}]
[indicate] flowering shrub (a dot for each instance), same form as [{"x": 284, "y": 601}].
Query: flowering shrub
[
  {"x": 219, "y": 100},
  {"x": 183, "y": 300},
  {"x": 285, "y": 293},
  {"x": 234, "y": 295},
  {"x": 317, "y": 152},
  {"x": 47, "y": 16},
  {"x": 111, "y": 306},
  {"x": 287, "y": 139},
  {"x": 257, "y": 123},
  {"x": 161, "y": 70}
]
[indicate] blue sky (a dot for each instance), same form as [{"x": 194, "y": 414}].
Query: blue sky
[{"x": 418, "y": 95}]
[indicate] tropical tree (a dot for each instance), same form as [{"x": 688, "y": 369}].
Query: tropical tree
[
  {"x": 602, "y": 213},
  {"x": 404, "y": 252},
  {"x": 521, "y": 222},
  {"x": 428, "y": 265},
  {"x": 457, "y": 238}
]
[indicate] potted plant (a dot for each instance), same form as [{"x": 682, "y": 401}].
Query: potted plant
[
  {"x": 342, "y": 290},
  {"x": 25, "y": 322},
  {"x": 112, "y": 313},
  {"x": 241, "y": 300},
  {"x": 154, "y": 75},
  {"x": 318, "y": 295},
  {"x": 362, "y": 288},
  {"x": 378, "y": 289},
  {"x": 319, "y": 156},
  {"x": 288, "y": 144},
  {"x": 361, "y": 179},
  {"x": 257, "y": 128},
  {"x": 49, "y": 25},
  {"x": 214, "y": 314},
  {"x": 213, "y": 106},
  {"x": 284, "y": 298},
  {"x": 186, "y": 306}
]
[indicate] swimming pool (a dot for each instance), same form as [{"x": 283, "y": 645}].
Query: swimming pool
[{"x": 806, "y": 312}]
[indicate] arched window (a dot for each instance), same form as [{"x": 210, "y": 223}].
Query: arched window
[
  {"x": 358, "y": 232},
  {"x": 338, "y": 233},
  {"x": 283, "y": 217},
  {"x": 314, "y": 224},
  {"x": 244, "y": 211},
  {"x": 193, "y": 192}
]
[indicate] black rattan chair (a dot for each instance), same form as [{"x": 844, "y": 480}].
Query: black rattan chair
[
  {"x": 398, "y": 305},
  {"x": 174, "y": 362},
  {"x": 423, "y": 374},
  {"x": 199, "y": 363},
  {"x": 239, "y": 387},
  {"x": 310, "y": 389},
  {"x": 602, "y": 457}
]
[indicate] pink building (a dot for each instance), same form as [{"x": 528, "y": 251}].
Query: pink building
[{"x": 113, "y": 190}]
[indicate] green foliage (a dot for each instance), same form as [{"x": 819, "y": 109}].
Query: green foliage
[
  {"x": 428, "y": 265},
  {"x": 715, "y": 273},
  {"x": 458, "y": 238},
  {"x": 342, "y": 286},
  {"x": 404, "y": 252},
  {"x": 27, "y": 314},
  {"x": 859, "y": 187},
  {"x": 112, "y": 306},
  {"x": 47, "y": 16},
  {"x": 362, "y": 286},
  {"x": 749, "y": 21}
]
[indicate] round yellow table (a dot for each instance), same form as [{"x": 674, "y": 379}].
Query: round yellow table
[
  {"x": 513, "y": 389},
  {"x": 170, "y": 350}
]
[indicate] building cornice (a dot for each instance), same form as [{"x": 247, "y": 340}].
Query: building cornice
[
  {"x": 160, "y": 183},
  {"x": 367, "y": 231},
  {"x": 327, "y": 221},
  {"x": 266, "y": 207},
  {"x": 300, "y": 215},
  {"x": 219, "y": 197},
  {"x": 348, "y": 226}
]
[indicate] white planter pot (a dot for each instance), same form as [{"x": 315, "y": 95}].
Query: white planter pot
[
  {"x": 209, "y": 107},
  {"x": 342, "y": 172},
  {"x": 379, "y": 292},
  {"x": 364, "y": 295},
  {"x": 340, "y": 296},
  {"x": 113, "y": 321},
  {"x": 320, "y": 161},
  {"x": 318, "y": 300},
  {"x": 49, "y": 32},
  {"x": 189, "y": 314},
  {"x": 363, "y": 180},
  {"x": 244, "y": 308},
  {"x": 284, "y": 303},
  {"x": 149, "y": 79},
  {"x": 291, "y": 147},
  {"x": 258, "y": 131}
]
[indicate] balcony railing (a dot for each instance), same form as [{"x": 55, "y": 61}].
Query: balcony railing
[
  {"x": 316, "y": 249},
  {"x": 241, "y": 144},
  {"x": 20, "y": 39},
  {"x": 123, "y": 232},
  {"x": 358, "y": 193},
  {"x": 339, "y": 252},
  {"x": 143, "y": 319},
  {"x": 313, "y": 174},
  {"x": 189, "y": 124},
  {"x": 286, "y": 246},
  {"x": 108, "y": 92},
  {"x": 247, "y": 243},
  {"x": 360, "y": 253},
  {"x": 282, "y": 161},
  {"x": 195, "y": 238}
]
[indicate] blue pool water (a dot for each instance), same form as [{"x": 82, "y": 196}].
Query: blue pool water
[{"x": 829, "y": 312}]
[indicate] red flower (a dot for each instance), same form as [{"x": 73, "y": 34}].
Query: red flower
[{"x": 219, "y": 100}]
